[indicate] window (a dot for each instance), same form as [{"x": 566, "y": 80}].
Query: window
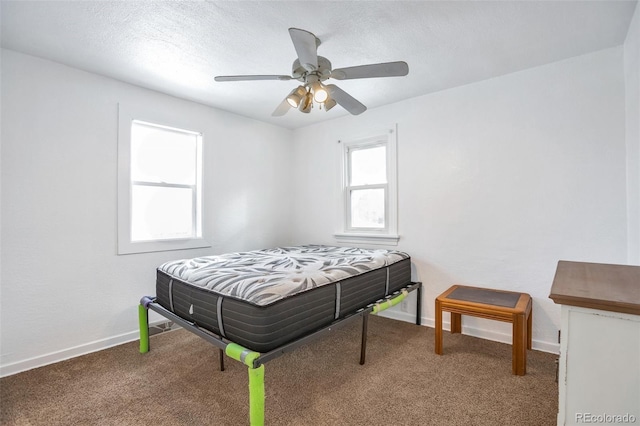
[
  {"x": 160, "y": 186},
  {"x": 368, "y": 190},
  {"x": 366, "y": 187}
]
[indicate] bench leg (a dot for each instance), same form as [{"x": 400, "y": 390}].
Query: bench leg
[
  {"x": 438, "y": 344},
  {"x": 529, "y": 328},
  {"x": 456, "y": 323},
  {"x": 519, "y": 355}
]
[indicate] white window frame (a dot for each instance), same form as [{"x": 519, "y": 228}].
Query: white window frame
[
  {"x": 127, "y": 114},
  {"x": 384, "y": 236}
]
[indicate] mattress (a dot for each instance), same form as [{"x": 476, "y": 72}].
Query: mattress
[{"x": 264, "y": 299}]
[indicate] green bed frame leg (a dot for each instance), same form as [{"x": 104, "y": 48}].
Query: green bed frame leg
[
  {"x": 256, "y": 381},
  {"x": 143, "y": 318},
  {"x": 256, "y": 396}
]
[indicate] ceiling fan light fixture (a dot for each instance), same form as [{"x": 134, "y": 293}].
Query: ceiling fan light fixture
[
  {"x": 329, "y": 103},
  {"x": 293, "y": 101},
  {"x": 320, "y": 94},
  {"x": 307, "y": 103},
  {"x": 296, "y": 96}
]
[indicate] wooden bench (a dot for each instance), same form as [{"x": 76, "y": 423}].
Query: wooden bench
[{"x": 486, "y": 303}]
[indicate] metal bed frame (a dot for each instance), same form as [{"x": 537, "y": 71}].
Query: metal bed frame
[{"x": 254, "y": 360}]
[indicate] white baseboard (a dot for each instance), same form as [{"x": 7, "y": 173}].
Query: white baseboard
[
  {"x": 495, "y": 336},
  {"x": 87, "y": 348},
  {"x": 53, "y": 357}
]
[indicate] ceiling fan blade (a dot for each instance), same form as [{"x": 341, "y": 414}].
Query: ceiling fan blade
[
  {"x": 387, "y": 69},
  {"x": 345, "y": 100},
  {"x": 306, "y": 45},
  {"x": 281, "y": 109},
  {"x": 251, "y": 77}
]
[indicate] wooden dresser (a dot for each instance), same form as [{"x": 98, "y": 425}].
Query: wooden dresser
[{"x": 599, "y": 378}]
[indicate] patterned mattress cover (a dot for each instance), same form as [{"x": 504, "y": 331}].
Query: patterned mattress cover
[{"x": 262, "y": 277}]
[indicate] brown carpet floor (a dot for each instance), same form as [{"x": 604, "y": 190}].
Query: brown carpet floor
[{"x": 402, "y": 383}]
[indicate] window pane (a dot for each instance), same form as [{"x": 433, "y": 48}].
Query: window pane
[
  {"x": 160, "y": 213},
  {"x": 368, "y": 166},
  {"x": 162, "y": 155},
  {"x": 367, "y": 208}
]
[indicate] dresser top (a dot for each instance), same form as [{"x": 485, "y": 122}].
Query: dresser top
[{"x": 597, "y": 286}]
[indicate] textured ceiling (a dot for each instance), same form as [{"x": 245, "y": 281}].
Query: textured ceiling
[{"x": 178, "y": 47}]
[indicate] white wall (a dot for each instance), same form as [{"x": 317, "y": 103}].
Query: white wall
[
  {"x": 64, "y": 289},
  {"x": 632, "y": 96},
  {"x": 498, "y": 180}
]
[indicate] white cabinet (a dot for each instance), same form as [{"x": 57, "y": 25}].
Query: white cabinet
[{"x": 599, "y": 378}]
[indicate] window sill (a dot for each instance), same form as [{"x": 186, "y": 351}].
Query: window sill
[{"x": 381, "y": 239}]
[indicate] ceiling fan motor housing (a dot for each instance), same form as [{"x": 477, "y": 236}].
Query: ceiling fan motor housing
[{"x": 322, "y": 73}]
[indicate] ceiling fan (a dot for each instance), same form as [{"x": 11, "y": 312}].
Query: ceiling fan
[{"x": 312, "y": 70}]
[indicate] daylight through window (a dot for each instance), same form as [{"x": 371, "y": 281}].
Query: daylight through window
[
  {"x": 367, "y": 187},
  {"x": 165, "y": 168}
]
